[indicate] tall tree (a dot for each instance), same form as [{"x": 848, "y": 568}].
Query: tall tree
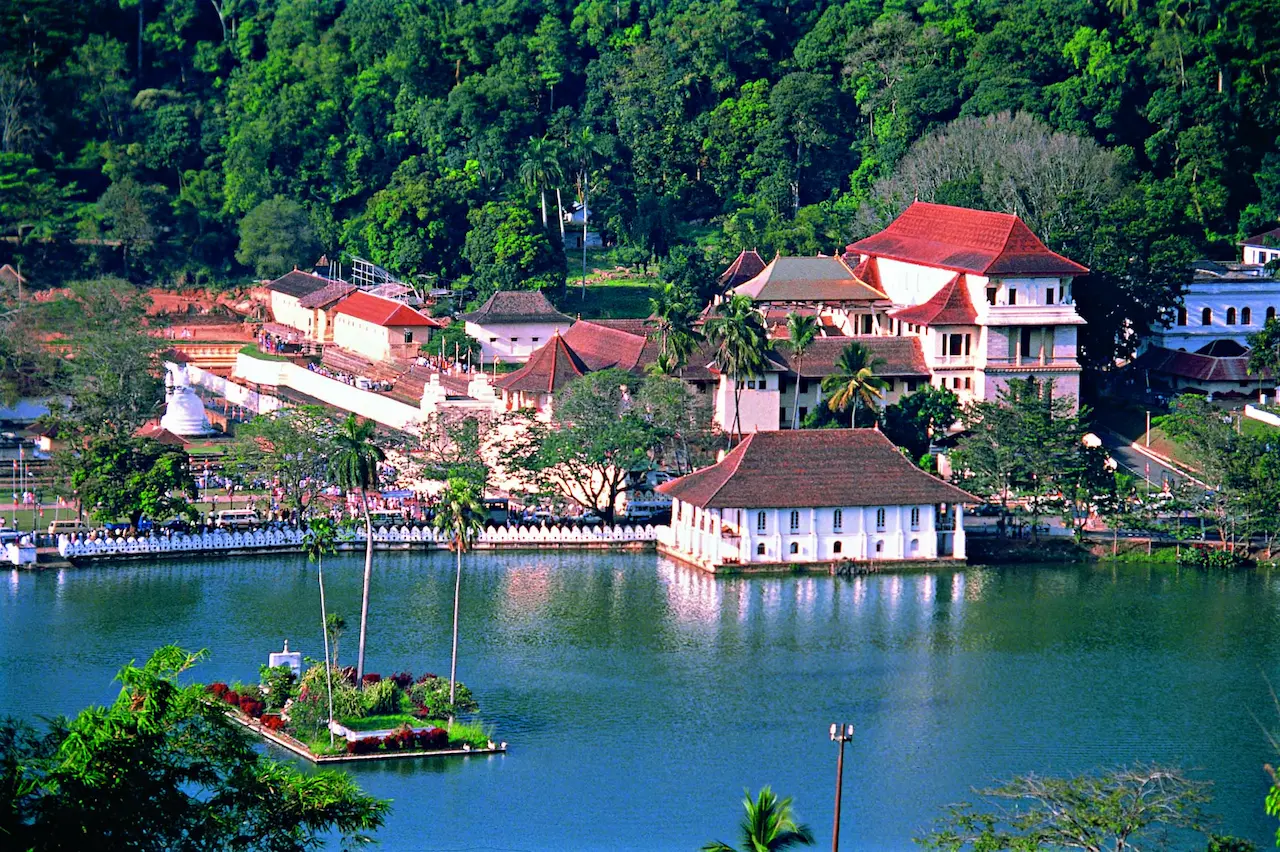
[
  {"x": 117, "y": 475},
  {"x": 769, "y": 825},
  {"x": 919, "y": 418},
  {"x": 675, "y": 315},
  {"x": 354, "y": 466},
  {"x": 740, "y": 341},
  {"x": 276, "y": 236},
  {"x": 288, "y": 447},
  {"x": 541, "y": 170},
  {"x": 854, "y": 382},
  {"x": 460, "y": 516},
  {"x": 801, "y": 331}
]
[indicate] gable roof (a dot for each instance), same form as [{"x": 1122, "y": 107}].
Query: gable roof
[
  {"x": 602, "y": 344},
  {"x": 809, "y": 468},
  {"x": 514, "y": 307},
  {"x": 298, "y": 284},
  {"x": 327, "y": 295},
  {"x": 745, "y": 266},
  {"x": 1267, "y": 239},
  {"x": 551, "y": 366},
  {"x": 811, "y": 279},
  {"x": 964, "y": 240},
  {"x": 383, "y": 312},
  {"x": 951, "y": 305},
  {"x": 903, "y": 357}
]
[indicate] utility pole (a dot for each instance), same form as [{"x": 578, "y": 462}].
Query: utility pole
[{"x": 840, "y": 733}]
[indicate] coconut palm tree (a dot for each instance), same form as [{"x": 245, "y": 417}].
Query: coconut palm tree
[
  {"x": 541, "y": 169},
  {"x": 740, "y": 340},
  {"x": 460, "y": 516},
  {"x": 318, "y": 540},
  {"x": 768, "y": 826},
  {"x": 674, "y": 315},
  {"x": 801, "y": 330},
  {"x": 354, "y": 466},
  {"x": 855, "y": 381}
]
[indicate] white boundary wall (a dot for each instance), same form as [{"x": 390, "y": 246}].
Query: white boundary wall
[
  {"x": 372, "y": 406},
  {"x": 491, "y": 537}
]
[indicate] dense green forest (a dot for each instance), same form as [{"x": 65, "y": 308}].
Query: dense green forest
[{"x": 236, "y": 137}]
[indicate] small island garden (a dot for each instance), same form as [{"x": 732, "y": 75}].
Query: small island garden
[{"x": 381, "y": 717}]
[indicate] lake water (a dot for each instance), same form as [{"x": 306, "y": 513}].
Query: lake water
[{"x": 640, "y": 698}]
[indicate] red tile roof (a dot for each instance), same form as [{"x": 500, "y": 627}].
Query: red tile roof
[
  {"x": 383, "y": 312},
  {"x": 951, "y": 305},
  {"x": 1197, "y": 367},
  {"x": 552, "y": 366},
  {"x": 745, "y": 266},
  {"x": 813, "y": 468},
  {"x": 611, "y": 343},
  {"x": 977, "y": 241},
  {"x": 514, "y": 307},
  {"x": 903, "y": 357},
  {"x": 1267, "y": 239},
  {"x": 867, "y": 269}
]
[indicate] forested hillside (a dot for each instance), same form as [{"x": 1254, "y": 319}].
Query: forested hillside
[{"x": 430, "y": 135}]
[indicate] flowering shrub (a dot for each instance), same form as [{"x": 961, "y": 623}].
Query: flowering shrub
[
  {"x": 231, "y": 697},
  {"x": 217, "y": 688},
  {"x": 432, "y": 699},
  {"x": 403, "y": 679},
  {"x": 426, "y": 678},
  {"x": 364, "y": 745},
  {"x": 371, "y": 678},
  {"x": 251, "y": 708},
  {"x": 435, "y": 738},
  {"x": 272, "y": 721}
]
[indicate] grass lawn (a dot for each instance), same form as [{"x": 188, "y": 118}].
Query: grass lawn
[
  {"x": 1258, "y": 429},
  {"x": 623, "y": 299},
  {"x": 253, "y": 351},
  {"x": 1130, "y": 421},
  {"x": 380, "y": 723}
]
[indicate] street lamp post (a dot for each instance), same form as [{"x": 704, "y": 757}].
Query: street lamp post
[{"x": 841, "y": 734}]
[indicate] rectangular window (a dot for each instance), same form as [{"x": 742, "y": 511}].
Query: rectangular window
[
  {"x": 762, "y": 521},
  {"x": 1025, "y": 343},
  {"x": 408, "y": 336},
  {"x": 795, "y": 520},
  {"x": 991, "y": 295},
  {"x": 967, "y": 339},
  {"x": 1048, "y": 296},
  {"x": 888, "y": 385},
  {"x": 879, "y": 520},
  {"x": 837, "y": 520},
  {"x": 804, "y": 412},
  {"x": 804, "y": 386},
  {"x": 1013, "y": 295},
  {"x": 968, "y": 384},
  {"x": 536, "y": 339},
  {"x": 915, "y": 517},
  {"x": 954, "y": 344}
]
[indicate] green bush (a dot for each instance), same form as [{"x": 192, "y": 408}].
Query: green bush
[
  {"x": 1212, "y": 558},
  {"x": 432, "y": 695},
  {"x": 278, "y": 685},
  {"x": 348, "y": 703},
  {"x": 381, "y": 698}
]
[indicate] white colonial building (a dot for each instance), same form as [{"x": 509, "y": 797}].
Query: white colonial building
[
  {"x": 812, "y": 496},
  {"x": 511, "y": 324},
  {"x": 379, "y": 329},
  {"x": 1262, "y": 248}
]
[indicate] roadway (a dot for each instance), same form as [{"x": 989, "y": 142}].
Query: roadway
[{"x": 1137, "y": 464}]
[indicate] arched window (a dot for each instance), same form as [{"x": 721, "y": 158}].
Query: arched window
[
  {"x": 838, "y": 547},
  {"x": 1182, "y": 315},
  {"x": 795, "y": 520},
  {"x": 1206, "y": 316},
  {"x": 879, "y": 547},
  {"x": 1246, "y": 316},
  {"x": 1231, "y": 316},
  {"x": 759, "y": 550},
  {"x": 880, "y": 519},
  {"x": 1271, "y": 313},
  {"x": 915, "y": 545},
  {"x": 837, "y": 520},
  {"x": 795, "y": 547},
  {"x": 762, "y": 522}
]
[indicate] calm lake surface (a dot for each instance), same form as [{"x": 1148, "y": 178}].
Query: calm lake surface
[{"x": 640, "y": 698}]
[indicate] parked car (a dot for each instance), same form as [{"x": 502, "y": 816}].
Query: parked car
[{"x": 236, "y": 519}]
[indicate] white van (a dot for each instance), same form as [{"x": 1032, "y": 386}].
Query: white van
[
  {"x": 68, "y": 527},
  {"x": 236, "y": 519}
]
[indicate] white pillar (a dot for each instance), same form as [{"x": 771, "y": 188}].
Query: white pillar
[{"x": 959, "y": 549}]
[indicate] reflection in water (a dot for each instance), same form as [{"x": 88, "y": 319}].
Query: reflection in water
[{"x": 598, "y": 668}]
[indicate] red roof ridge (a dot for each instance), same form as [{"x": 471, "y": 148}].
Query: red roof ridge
[
  {"x": 382, "y": 311},
  {"x": 951, "y": 305}
]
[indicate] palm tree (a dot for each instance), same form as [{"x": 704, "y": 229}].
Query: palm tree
[
  {"x": 319, "y": 540},
  {"x": 854, "y": 381},
  {"x": 582, "y": 151},
  {"x": 740, "y": 341},
  {"x": 540, "y": 169},
  {"x": 801, "y": 330},
  {"x": 460, "y": 516},
  {"x": 768, "y": 826},
  {"x": 674, "y": 314},
  {"x": 354, "y": 466}
]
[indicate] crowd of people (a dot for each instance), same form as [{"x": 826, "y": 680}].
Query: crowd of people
[{"x": 361, "y": 382}]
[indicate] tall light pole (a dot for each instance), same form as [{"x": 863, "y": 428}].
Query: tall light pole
[{"x": 841, "y": 734}]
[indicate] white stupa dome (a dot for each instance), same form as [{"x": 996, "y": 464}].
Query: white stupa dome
[{"x": 184, "y": 413}]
